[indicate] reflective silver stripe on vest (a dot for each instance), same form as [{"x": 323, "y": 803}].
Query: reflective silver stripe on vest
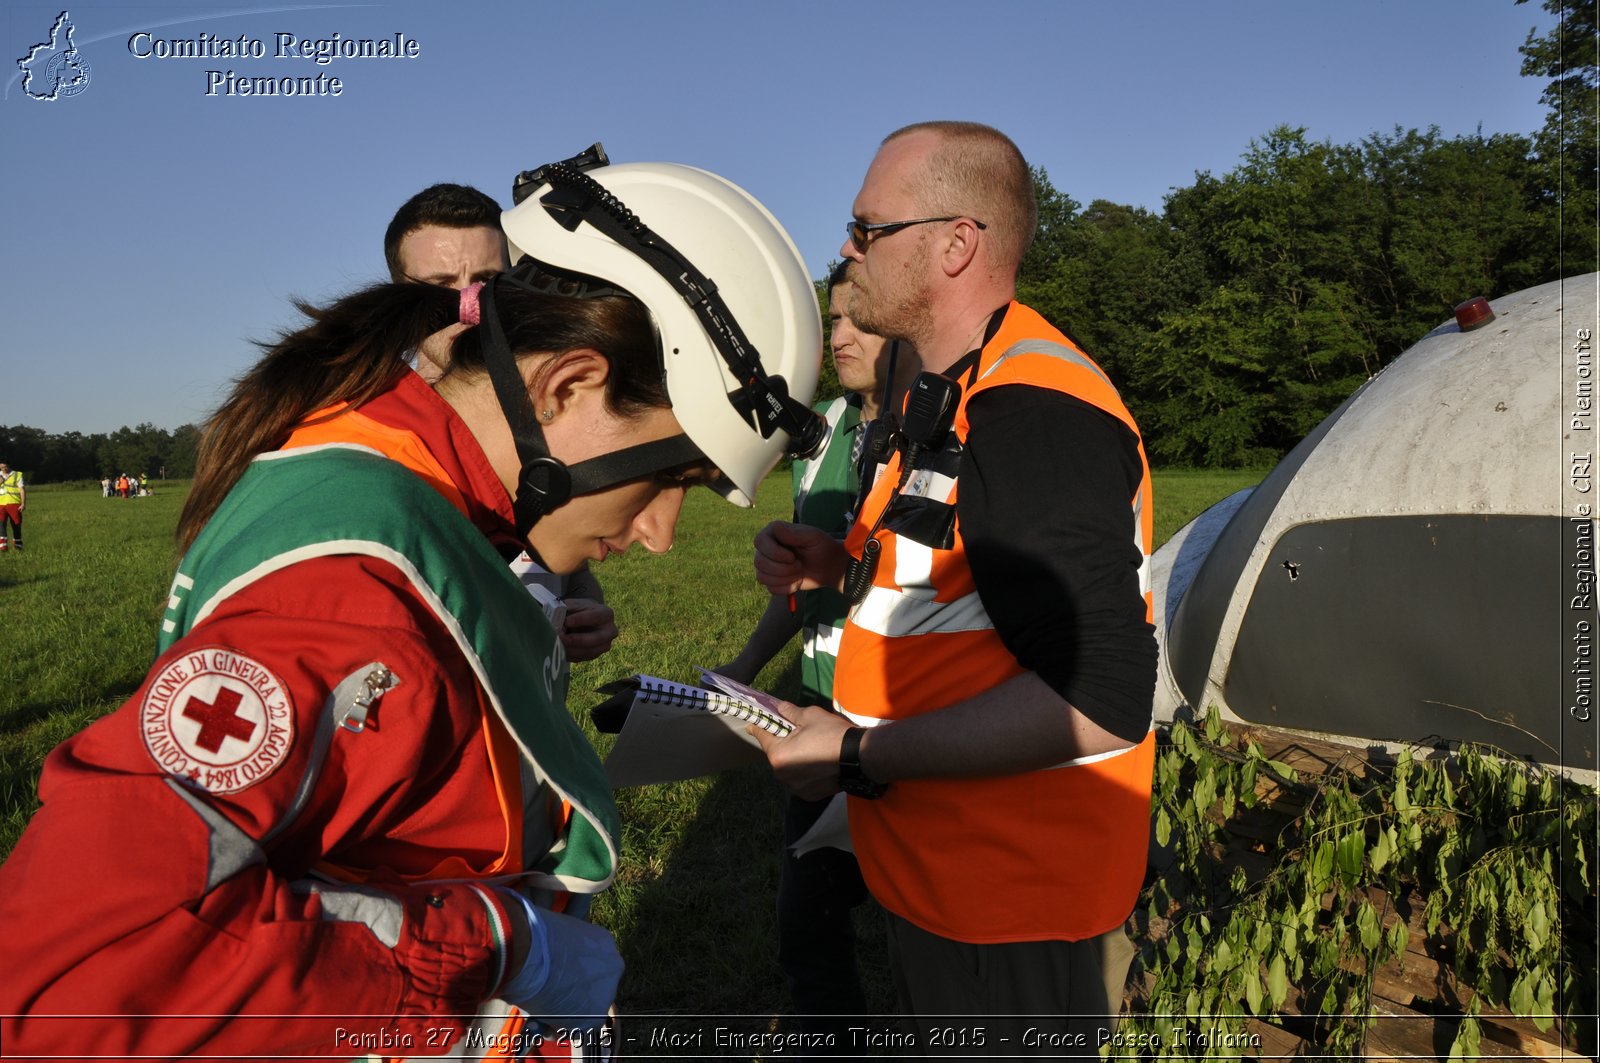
[
  {"x": 859, "y": 721},
  {"x": 913, "y": 561},
  {"x": 910, "y": 610},
  {"x": 1052, "y": 350},
  {"x": 1138, "y": 540},
  {"x": 913, "y": 569},
  {"x": 1095, "y": 758},
  {"x": 892, "y": 614}
]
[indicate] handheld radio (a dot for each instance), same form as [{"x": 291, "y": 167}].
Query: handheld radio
[{"x": 930, "y": 413}]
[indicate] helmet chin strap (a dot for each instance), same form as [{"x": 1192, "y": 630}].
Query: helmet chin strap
[{"x": 545, "y": 483}]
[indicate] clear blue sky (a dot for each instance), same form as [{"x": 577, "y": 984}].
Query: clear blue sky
[{"x": 151, "y": 231}]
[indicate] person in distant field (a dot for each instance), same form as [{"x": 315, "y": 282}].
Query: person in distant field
[
  {"x": 105, "y": 487},
  {"x": 995, "y": 679},
  {"x": 818, "y": 889},
  {"x": 449, "y": 235},
  {"x": 13, "y": 500},
  {"x": 122, "y": 485}
]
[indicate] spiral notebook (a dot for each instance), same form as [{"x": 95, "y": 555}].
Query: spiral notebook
[{"x": 670, "y": 731}]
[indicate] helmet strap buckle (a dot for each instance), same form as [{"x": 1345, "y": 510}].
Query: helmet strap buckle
[{"x": 544, "y": 485}]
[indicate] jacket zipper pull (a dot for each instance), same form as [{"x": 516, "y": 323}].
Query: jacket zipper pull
[{"x": 377, "y": 682}]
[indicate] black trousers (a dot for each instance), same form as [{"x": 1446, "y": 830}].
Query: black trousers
[
  {"x": 1045, "y": 999},
  {"x": 816, "y": 940}
]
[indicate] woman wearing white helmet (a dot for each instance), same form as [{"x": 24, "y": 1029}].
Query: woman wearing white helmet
[{"x": 347, "y": 810}]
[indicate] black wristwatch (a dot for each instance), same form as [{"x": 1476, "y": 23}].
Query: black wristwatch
[{"x": 852, "y": 780}]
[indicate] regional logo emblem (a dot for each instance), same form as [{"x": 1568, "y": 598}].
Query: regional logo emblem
[
  {"x": 56, "y": 64},
  {"x": 217, "y": 719}
]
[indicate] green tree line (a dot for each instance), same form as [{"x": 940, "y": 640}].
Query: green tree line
[
  {"x": 56, "y": 458},
  {"x": 1239, "y": 317},
  {"x": 1243, "y": 313}
]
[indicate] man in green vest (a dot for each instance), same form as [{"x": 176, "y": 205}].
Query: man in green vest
[
  {"x": 818, "y": 889},
  {"x": 13, "y": 500}
]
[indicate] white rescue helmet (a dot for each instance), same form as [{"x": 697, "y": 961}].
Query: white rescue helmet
[{"x": 723, "y": 282}]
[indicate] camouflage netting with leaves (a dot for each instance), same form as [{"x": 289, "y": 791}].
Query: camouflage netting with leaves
[{"x": 1497, "y": 854}]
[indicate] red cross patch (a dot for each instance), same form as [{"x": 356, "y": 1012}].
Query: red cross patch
[{"x": 217, "y": 718}]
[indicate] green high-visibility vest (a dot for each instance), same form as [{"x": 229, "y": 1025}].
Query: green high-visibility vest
[{"x": 825, "y": 488}]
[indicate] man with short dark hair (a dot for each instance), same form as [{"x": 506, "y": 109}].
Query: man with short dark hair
[
  {"x": 450, "y": 235},
  {"x": 996, "y": 676}
]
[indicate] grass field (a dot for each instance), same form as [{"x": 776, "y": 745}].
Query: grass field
[{"x": 692, "y": 908}]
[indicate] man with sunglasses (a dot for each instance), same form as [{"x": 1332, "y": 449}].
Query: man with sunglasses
[
  {"x": 995, "y": 678},
  {"x": 818, "y": 889}
]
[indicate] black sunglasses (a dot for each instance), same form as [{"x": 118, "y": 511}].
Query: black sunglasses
[{"x": 861, "y": 234}]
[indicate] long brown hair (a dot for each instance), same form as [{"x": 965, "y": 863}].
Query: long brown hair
[{"x": 354, "y": 350}]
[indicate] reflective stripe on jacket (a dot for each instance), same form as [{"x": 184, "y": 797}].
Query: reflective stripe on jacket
[{"x": 1057, "y": 853}]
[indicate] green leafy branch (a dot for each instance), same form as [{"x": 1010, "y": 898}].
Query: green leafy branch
[{"x": 1267, "y": 907}]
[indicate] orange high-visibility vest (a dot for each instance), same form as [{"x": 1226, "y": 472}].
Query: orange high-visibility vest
[{"x": 1054, "y": 854}]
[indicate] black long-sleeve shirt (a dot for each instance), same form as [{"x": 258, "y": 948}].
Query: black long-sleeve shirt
[{"x": 1044, "y": 508}]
